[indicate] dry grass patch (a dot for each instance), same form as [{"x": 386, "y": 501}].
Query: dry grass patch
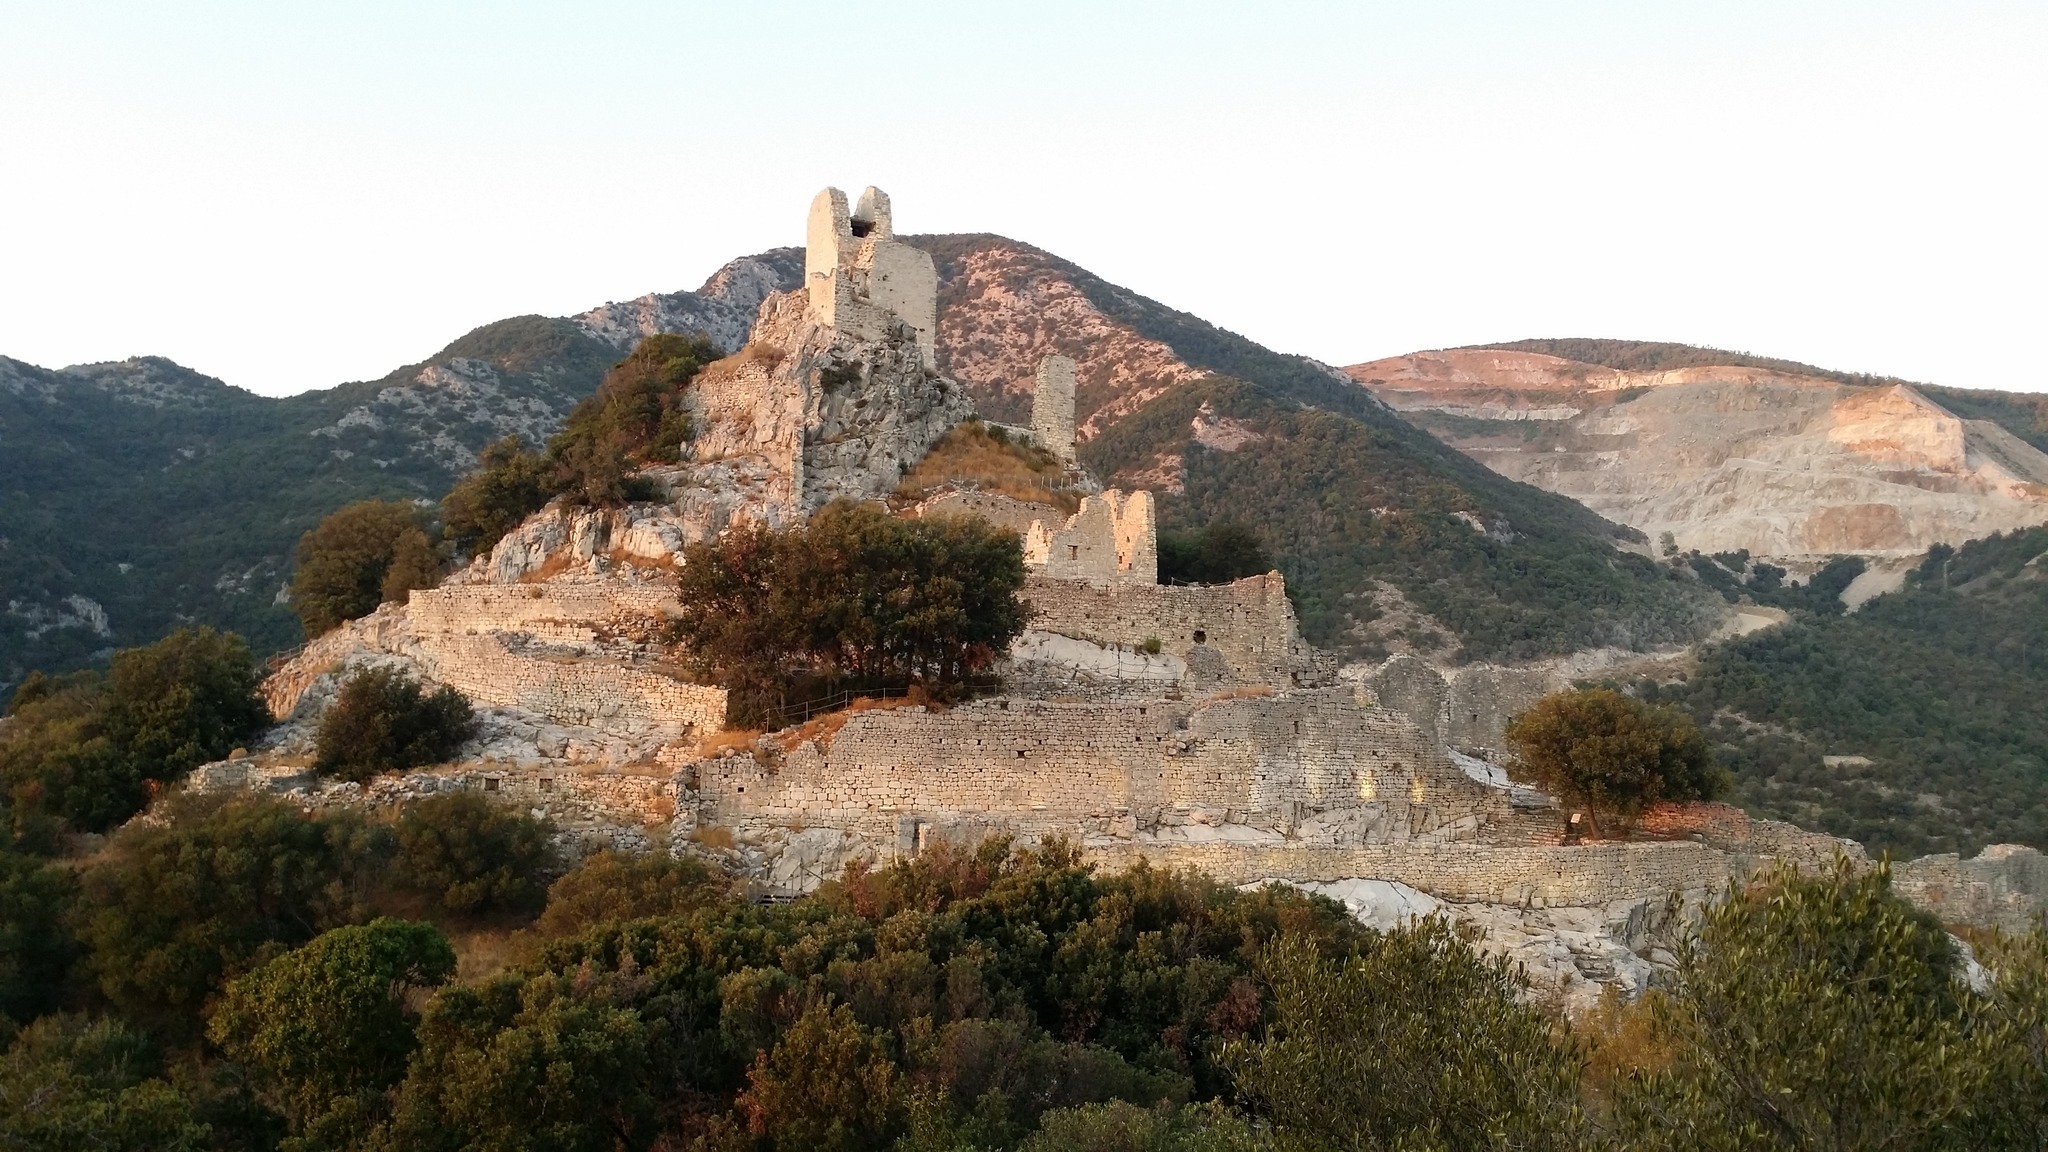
[
  {"x": 976, "y": 455},
  {"x": 822, "y": 728},
  {"x": 728, "y": 740}
]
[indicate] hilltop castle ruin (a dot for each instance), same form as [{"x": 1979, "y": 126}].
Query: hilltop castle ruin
[{"x": 1182, "y": 725}]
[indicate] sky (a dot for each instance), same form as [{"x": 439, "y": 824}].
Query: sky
[{"x": 290, "y": 196}]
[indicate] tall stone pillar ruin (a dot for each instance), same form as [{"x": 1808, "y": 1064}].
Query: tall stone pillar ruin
[{"x": 1052, "y": 406}]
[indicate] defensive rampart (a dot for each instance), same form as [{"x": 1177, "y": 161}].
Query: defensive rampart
[{"x": 1261, "y": 765}]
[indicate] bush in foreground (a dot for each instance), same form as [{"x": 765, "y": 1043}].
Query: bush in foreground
[{"x": 470, "y": 857}]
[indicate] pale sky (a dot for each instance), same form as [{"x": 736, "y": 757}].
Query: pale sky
[{"x": 288, "y": 196}]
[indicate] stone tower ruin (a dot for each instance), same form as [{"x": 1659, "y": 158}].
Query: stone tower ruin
[
  {"x": 861, "y": 279},
  {"x": 1052, "y": 406}
]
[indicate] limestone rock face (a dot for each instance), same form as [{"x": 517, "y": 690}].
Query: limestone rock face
[
  {"x": 1726, "y": 458},
  {"x": 805, "y": 414}
]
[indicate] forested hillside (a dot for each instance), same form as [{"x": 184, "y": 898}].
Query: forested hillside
[
  {"x": 1939, "y": 686},
  {"x": 137, "y": 495}
]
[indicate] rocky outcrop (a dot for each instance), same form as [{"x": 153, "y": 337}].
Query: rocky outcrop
[
  {"x": 723, "y": 309},
  {"x": 1728, "y": 458}
]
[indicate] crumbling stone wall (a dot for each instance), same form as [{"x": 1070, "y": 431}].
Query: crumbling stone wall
[
  {"x": 1272, "y": 764},
  {"x": 1466, "y": 708},
  {"x": 2005, "y": 886},
  {"x": 1243, "y": 632},
  {"x": 1112, "y": 540},
  {"x": 994, "y": 507},
  {"x": 600, "y": 692},
  {"x": 565, "y": 611}
]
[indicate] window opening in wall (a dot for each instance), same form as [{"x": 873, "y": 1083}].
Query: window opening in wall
[
  {"x": 546, "y": 785},
  {"x": 1297, "y": 727},
  {"x": 490, "y": 783},
  {"x": 1475, "y": 717},
  {"x": 1020, "y": 753},
  {"x": 1073, "y": 551},
  {"x": 1201, "y": 637}
]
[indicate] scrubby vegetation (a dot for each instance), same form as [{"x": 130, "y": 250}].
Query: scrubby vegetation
[
  {"x": 1611, "y": 754},
  {"x": 1938, "y": 685},
  {"x": 1212, "y": 554},
  {"x": 86, "y": 751},
  {"x": 381, "y": 721},
  {"x": 359, "y": 557},
  {"x": 252, "y": 977},
  {"x": 986, "y": 457},
  {"x": 853, "y": 598},
  {"x": 635, "y": 418}
]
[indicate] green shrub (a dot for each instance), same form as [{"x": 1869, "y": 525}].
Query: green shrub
[
  {"x": 1413, "y": 1037},
  {"x": 37, "y": 949},
  {"x": 508, "y": 485},
  {"x": 89, "y": 750},
  {"x": 1612, "y": 754},
  {"x": 357, "y": 558},
  {"x": 470, "y": 857},
  {"x": 1822, "y": 1011},
  {"x": 381, "y": 722},
  {"x": 611, "y": 886},
  {"x": 70, "y": 1084},
  {"x": 853, "y": 595},
  {"x": 176, "y": 909},
  {"x": 636, "y": 416},
  {"x": 328, "y": 1024}
]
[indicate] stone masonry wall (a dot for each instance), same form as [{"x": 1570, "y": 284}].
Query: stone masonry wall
[
  {"x": 1264, "y": 763},
  {"x": 569, "y": 609},
  {"x": 604, "y": 693},
  {"x": 1242, "y": 632}
]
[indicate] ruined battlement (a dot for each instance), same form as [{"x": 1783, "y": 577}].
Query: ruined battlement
[
  {"x": 860, "y": 278},
  {"x": 1112, "y": 540},
  {"x": 1313, "y": 766}
]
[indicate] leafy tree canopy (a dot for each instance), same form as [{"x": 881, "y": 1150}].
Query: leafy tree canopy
[
  {"x": 72, "y": 1084},
  {"x": 1611, "y": 753},
  {"x": 853, "y": 595},
  {"x": 1822, "y": 1011},
  {"x": 327, "y": 1024},
  {"x": 88, "y": 750},
  {"x": 636, "y": 417},
  {"x": 359, "y": 557}
]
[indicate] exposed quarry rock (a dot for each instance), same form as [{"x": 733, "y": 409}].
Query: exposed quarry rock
[{"x": 1728, "y": 458}]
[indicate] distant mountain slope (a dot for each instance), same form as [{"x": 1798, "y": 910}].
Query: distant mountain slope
[
  {"x": 140, "y": 495},
  {"x": 1726, "y": 451},
  {"x": 201, "y": 490},
  {"x": 1354, "y": 501}
]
